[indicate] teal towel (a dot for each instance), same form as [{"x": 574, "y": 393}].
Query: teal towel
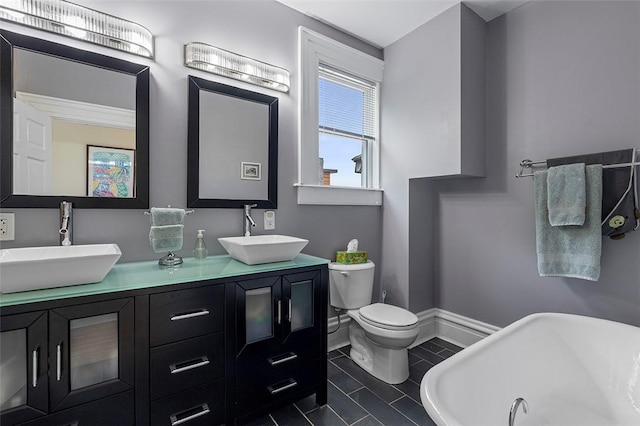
[
  {"x": 166, "y": 238},
  {"x": 570, "y": 251},
  {"x": 566, "y": 194},
  {"x": 162, "y": 216}
]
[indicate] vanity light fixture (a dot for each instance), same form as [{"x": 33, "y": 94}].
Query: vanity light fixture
[
  {"x": 228, "y": 64},
  {"x": 72, "y": 20}
]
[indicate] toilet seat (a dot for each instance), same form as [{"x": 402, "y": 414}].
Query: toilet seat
[{"x": 388, "y": 317}]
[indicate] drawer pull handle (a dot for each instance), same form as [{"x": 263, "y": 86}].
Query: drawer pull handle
[
  {"x": 289, "y": 357},
  {"x": 34, "y": 373},
  {"x": 188, "y": 365},
  {"x": 273, "y": 390},
  {"x": 59, "y": 362},
  {"x": 204, "y": 410},
  {"x": 190, "y": 315}
]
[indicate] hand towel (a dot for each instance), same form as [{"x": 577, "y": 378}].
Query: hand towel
[
  {"x": 566, "y": 194},
  {"x": 570, "y": 251},
  {"x": 162, "y": 216},
  {"x": 615, "y": 181},
  {"x": 166, "y": 238}
]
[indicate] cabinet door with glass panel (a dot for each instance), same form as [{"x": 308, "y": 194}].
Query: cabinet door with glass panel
[
  {"x": 276, "y": 307},
  {"x": 258, "y": 311},
  {"x": 23, "y": 367},
  {"x": 301, "y": 297},
  {"x": 91, "y": 352}
]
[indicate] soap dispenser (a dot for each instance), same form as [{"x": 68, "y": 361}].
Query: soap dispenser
[{"x": 200, "y": 250}]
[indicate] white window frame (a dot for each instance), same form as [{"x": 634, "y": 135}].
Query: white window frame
[{"x": 315, "y": 49}]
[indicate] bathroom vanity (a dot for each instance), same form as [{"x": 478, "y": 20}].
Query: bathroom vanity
[{"x": 213, "y": 341}]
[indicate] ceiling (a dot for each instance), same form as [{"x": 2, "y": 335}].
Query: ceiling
[{"x": 382, "y": 22}]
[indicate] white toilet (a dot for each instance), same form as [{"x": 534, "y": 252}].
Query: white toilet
[{"x": 379, "y": 334}]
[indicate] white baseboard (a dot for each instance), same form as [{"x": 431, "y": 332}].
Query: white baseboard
[
  {"x": 435, "y": 322},
  {"x": 460, "y": 330},
  {"x": 427, "y": 323}
]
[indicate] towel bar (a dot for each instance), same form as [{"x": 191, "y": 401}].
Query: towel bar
[
  {"x": 170, "y": 259},
  {"x": 529, "y": 164}
]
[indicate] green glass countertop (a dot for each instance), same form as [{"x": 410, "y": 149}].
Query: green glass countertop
[{"x": 147, "y": 274}]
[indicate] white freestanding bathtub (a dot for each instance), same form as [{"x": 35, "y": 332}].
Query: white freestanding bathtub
[{"x": 572, "y": 371}]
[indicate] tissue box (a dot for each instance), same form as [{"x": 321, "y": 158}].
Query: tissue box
[{"x": 351, "y": 258}]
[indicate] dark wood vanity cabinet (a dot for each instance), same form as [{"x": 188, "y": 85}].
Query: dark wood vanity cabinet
[
  {"x": 280, "y": 341},
  {"x": 57, "y": 362},
  {"x": 219, "y": 351}
]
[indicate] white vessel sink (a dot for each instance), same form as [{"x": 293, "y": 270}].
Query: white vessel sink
[
  {"x": 33, "y": 268},
  {"x": 263, "y": 248}
]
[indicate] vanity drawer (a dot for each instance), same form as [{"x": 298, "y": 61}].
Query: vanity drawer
[
  {"x": 187, "y": 363},
  {"x": 268, "y": 360},
  {"x": 203, "y": 405},
  {"x": 178, "y": 315},
  {"x": 261, "y": 395}
]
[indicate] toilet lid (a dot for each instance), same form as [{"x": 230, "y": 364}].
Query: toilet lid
[{"x": 387, "y": 316}]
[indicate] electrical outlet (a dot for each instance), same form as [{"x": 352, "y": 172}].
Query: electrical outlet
[
  {"x": 7, "y": 226},
  {"x": 269, "y": 220}
]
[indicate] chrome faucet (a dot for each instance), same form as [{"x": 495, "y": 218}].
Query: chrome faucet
[
  {"x": 514, "y": 409},
  {"x": 248, "y": 220},
  {"x": 66, "y": 223}
]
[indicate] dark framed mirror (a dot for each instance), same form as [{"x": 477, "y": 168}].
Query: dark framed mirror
[
  {"x": 74, "y": 126},
  {"x": 232, "y": 146}
]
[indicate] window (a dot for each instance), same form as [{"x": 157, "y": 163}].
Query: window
[
  {"x": 347, "y": 120},
  {"x": 339, "y": 116}
]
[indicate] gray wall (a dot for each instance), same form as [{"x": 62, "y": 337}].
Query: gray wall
[
  {"x": 420, "y": 108},
  {"x": 422, "y": 244},
  {"x": 432, "y": 125},
  {"x": 563, "y": 79},
  {"x": 473, "y": 40},
  {"x": 264, "y": 30}
]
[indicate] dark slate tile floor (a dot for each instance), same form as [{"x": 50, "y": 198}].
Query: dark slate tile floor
[{"x": 357, "y": 398}]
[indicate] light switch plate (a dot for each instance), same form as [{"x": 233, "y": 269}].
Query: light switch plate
[{"x": 7, "y": 226}]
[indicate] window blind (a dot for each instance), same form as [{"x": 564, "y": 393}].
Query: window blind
[{"x": 347, "y": 105}]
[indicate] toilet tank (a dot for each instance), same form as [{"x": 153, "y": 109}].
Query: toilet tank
[{"x": 351, "y": 286}]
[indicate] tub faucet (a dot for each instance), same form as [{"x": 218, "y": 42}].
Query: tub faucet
[
  {"x": 66, "y": 223},
  {"x": 248, "y": 220},
  {"x": 514, "y": 409}
]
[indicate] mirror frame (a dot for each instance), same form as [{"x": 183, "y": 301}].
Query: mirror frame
[
  {"x": 196, "y": 85},
  {"x": 9, "y": 40}
]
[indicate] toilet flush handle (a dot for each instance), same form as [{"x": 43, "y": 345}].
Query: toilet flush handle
[{"x": 345, "y": 273}]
